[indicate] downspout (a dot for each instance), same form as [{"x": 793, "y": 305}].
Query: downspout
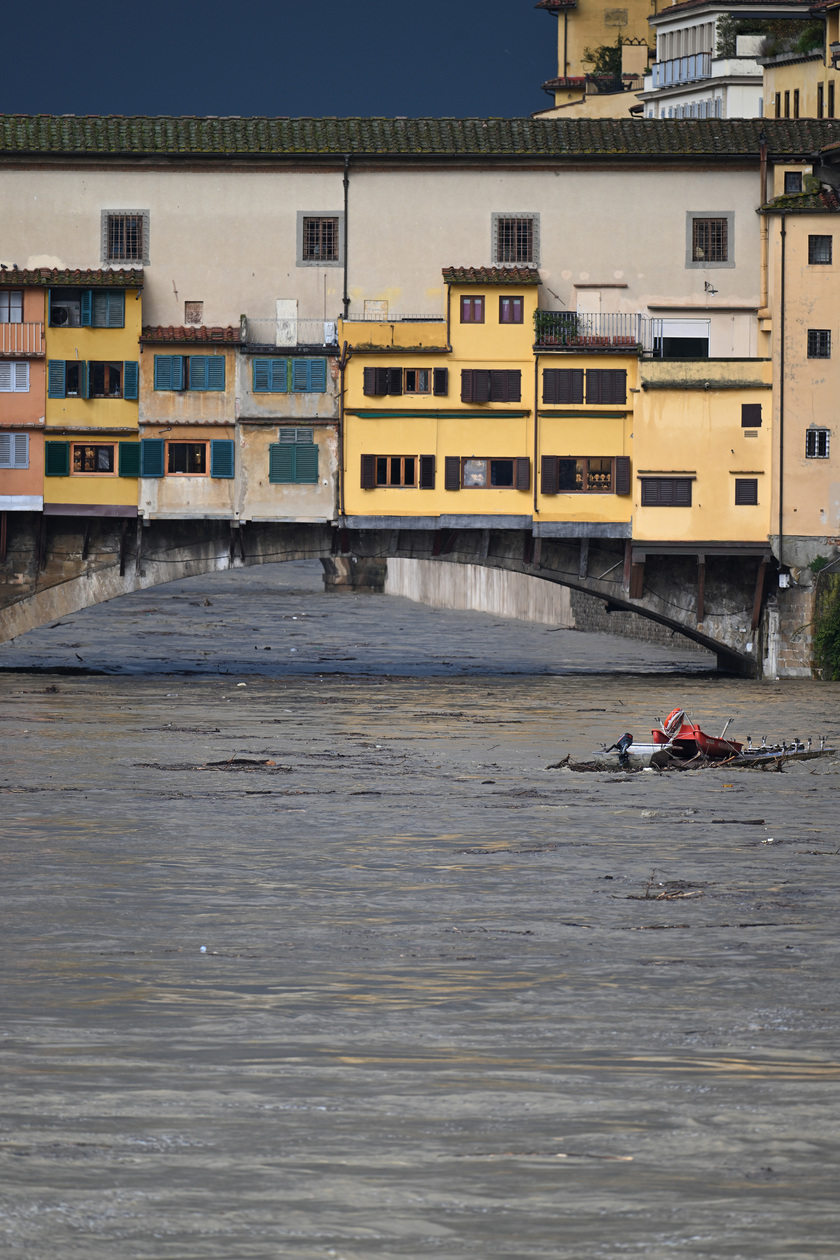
[
  {"x": 346, "y": 298},
  {"x": 765, "y": 226},
  {"x": 782, "y": 389},
  {"x": 565, "y": 42},
  {"x": 536, "y": 426},
  {"x": 344, "y": 359}
]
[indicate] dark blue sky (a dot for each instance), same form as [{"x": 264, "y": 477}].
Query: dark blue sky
[{"x": 296, "y": 57}]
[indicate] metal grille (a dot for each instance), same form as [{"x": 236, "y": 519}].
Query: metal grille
[
  {"x": 819, "y": 343},
  {"x": 819, "y": 249},
  {"x": 125, "y": 238},
  {"x": 746, "y": 492},
  {"x": 816, "y": 443},
  {"x": 515, "y": 241},
  {"x": 710, "y": 240},
  {"x": 320, "y": 240}
]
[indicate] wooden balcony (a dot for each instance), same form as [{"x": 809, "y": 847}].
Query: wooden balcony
[{"x": 21, "y": 341}]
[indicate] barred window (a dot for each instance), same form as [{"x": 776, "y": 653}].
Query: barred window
[
  {"x": 320, "y": 240},
  {"x": 819, "y": 249},
  {"x": 710, "y": 240},
  {"x": 819, "y": 343},
  {"x": 816, "y": 443},
  {"x": 125, "y": 238},
  {"x": 514, "y": 240}
]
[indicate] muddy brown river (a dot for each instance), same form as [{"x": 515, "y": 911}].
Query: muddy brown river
[{"x": 317, "y": 958}]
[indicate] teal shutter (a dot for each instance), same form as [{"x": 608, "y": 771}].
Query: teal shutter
[
  {"x": 198, "y": 371},
  {"x": 221, "y": 457},
  {"x": 300, "y": 376},
  {"x": 306, "y": 464},
  {"x": 83, "y": 379},
  {"x": 163, "y": 371},
  {"x": 129, "y": 465},
  {"x": 131, "y": 380},
  {"x": 318, "y": 376},
  {"x": 87, "y": 307},
  {"x": 151, "y": 457},
  {"x": 57, "y": 459},
  {"x": 215, "y": 372},
  {"x": 281, "y": 464},
  {"x": 261, "y": 369},
  {"x": 280, "y": 376},
  {"x": 177, "y": 371},
  {"x": 55, "y": 378},
  {"x": 116, "y": 309}
]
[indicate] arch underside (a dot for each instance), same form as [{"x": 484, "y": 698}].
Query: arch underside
[{"x": 68, "y": 564}]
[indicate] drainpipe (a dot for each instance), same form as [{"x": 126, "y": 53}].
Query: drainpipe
[
  {"x": 782, "y": 389},
  {"x": 565, "y": 42},
  {"x": 344, "y": 359},
  {"x": 765, "y": 226},
  {"x": 346, "y": 298},
  {"x": 536, "y": 427}
]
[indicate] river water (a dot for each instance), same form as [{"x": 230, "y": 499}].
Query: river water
[{"x": 305, "y": 957}]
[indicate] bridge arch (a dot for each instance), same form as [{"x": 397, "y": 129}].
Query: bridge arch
[{"x": 55, "y": 568}]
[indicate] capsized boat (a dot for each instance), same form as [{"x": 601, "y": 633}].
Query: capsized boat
[{"x": 685, "y": 739}]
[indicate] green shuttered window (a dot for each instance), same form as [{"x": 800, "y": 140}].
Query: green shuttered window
[
  {"x": 296, "y": 376},
  {"x": 221, "y": 457},
  {"x": 206, "y": 372},
  {"x": 294, "y": 459},
  {"x": 151, "y": 457},
  {"x": 129, "y": 462},
  {"x": 169, "y": 371},
  {"x": 57, "y": 459}
]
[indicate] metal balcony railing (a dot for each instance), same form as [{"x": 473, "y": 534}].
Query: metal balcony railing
[
  {"x": 575, "y": 331},
  {"x": 21, "y": 339},
  {"x": 285, "y": 333},
  {"x": 682, "y": 70}
]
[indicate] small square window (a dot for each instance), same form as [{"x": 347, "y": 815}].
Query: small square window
[
  {"x": 709, "y": 240},
  {"x": 750, "y": 415},
  {"x": 125, "y": 236},
  {"x": 510, "y": 310},
  {"x": 793, "y": 181},
  {"x": 819, "y": 250},
  {"x": 186, "y": 458},
  {"x": 819, "y": 343},
  {"x": 746, "y": 491},
  {"x": 93, "y": 459},
  {"x": 417, "y": 381},
  {"x": 11, "y": 306},
  {"x": 472, "y": 310},
  {"x": 193, "y": 312},
  {"x": 516, "y": 239},
  {"x": 816, "y": 443}
]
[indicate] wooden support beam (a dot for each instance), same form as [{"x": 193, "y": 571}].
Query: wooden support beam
[
  {"x": 123, "y": 546},
  {"x": 761, "y": 578},
  {"x": 3, "y": 536},
  {"x": 449, "y": 545},
  {"x": 86, "y": 537},
  {"x": 637, "y": 580},
  {"x": 628, "y": 561},
  {"x": 584, "y": 557},
  {"x": 536, "y": 559},
  {"x": 241, "y": 535},
  {"x": 41, "y": 543},
  {"x": 484, "y": 544},
  {"x": 701, "y": 588},
  {"x": 528, "y": 548}
]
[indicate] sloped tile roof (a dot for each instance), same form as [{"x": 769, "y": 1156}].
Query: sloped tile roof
[
  {"x": 683, "y": 6},
  {"x": 52, "y": 277},
  {"x": 194, "y": 334},
  {"x": 553, "y": 5},
  {"x": 218, "y": 139},
  {"x": 491, "y": 275},
  {"x": 826, "y": 201}
]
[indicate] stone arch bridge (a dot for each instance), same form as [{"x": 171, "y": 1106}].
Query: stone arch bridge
[{"x": 714, "y": 594}]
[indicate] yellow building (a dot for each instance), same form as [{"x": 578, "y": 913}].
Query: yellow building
[
  {"x": 803, "y": 84},
  {"x": 92, "y": 455},
  {"x": 578, "y": 90}
]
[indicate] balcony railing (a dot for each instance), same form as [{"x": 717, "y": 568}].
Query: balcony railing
[
  {"x": 22, "y": 339},
  {"x": 682, "y": 70},
  {"x": 570, "y": 330},
  {"x": 287, "y": 333}
]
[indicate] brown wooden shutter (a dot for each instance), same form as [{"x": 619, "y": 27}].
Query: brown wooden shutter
[
  {"x": 622, "y": 474},
  {"x": 395, "y": 380},
  {"x": 750, "y": 415},
  {"x": 481, "y": 386},
  {"x": 606, "y": 385},
  {"x": 682, "y": 492},
  {"x": 498, "y": 386},
  {"x": 368, "y": 472},
  {"x": 514, "y": 385},
  {"x": 522, "y": 473},
  {"x": 427, "y": 471},
  {"x": 563, "y": 385},
  {"x": 467, "y": 385},
  {"x": 550, "y": 390},
  {"x": 370, "y": 381},
  {"x": 382, "y": 377},
  {"x": 441, "y": 381},
  {"x": 452, "y": 473},
  {"x": 746, "y": 491},
  {"x": 548, "y": 474}
]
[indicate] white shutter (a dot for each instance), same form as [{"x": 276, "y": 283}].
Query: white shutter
[
  {"x": 20, "y": 450},
  {"x": 21, "y": 377},
  {"x": 6, "y": 450},
  {"x": 5, "y": 378}
]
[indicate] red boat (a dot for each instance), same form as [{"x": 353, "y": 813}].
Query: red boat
[{"x": 685, "y": 739}]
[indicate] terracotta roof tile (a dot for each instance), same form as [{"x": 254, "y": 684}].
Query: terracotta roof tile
[
  {"x": 193, "y": 334},
  {"x": 229, "y": 139},
  {"x": 52, "y": 277},
  {"x": 491, "y": 275}
]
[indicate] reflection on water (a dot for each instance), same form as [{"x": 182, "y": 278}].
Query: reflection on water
[{"x": 437, "y": 1014}]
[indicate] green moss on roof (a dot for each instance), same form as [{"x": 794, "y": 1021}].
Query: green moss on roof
[
  {"x": 51, "y": 277},
  {"x": 823, "y": 202},
  {"x": 23, "y": 135},
  {"x": 491, "y": 275}
]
